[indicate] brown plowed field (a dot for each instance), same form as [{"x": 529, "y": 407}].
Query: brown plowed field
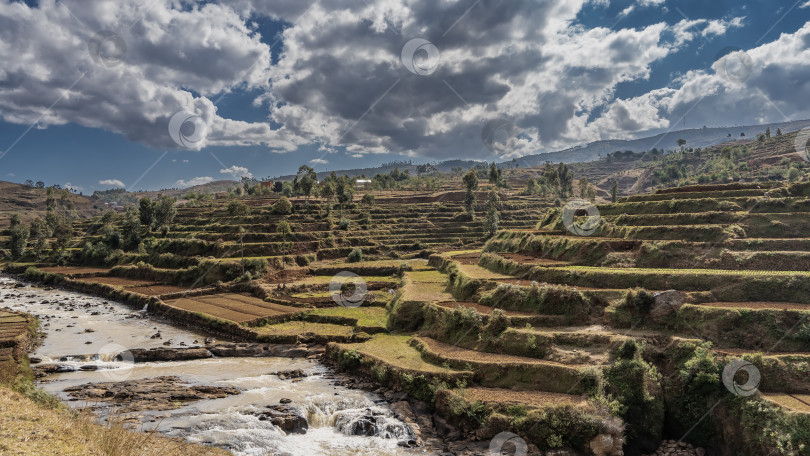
[
  {"x": 232, "y": 306},
  {"x": 117, "y": 281},
  {"x": 156, "y": 290},
  {"x": 70, "y": 270}
]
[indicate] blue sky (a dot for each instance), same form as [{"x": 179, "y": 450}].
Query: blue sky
[{"x": 284, "y": 83}]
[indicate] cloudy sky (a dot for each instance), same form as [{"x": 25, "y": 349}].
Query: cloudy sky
[{"x": 149, "y": 94}]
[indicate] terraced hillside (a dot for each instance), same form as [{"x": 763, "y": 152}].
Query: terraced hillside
[{"x": 671, "y": 280}]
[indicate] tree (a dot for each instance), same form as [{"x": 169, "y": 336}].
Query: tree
[
  {"x": 28, "y": 183},
  {"x": 283, "y": 206},
  {"x": 531, "y": 186},
  {"x": 345, "y": 191},
  {"x": 367, "y": 199},
  {"x": 742, "y": 135},
  {"x": 470, "y": 181},
  {"x": 793, "y": 174},
  {"x": 614, "y": 191},
  {"x": 328, "y": 191},
  {"x": 681, "y": 143},
  {"x": 591, "y": 194},
  {"x": 63, "y": 232},
  {"x": 164, "y": 212},
  {"x": 583, "y": 187},
  {"x": 131, "y": 229},
  {"x": 304, "y": 181},
  {"x": 18, "y": 239},
  {"x": 146, "y": 211},
  {"x": 284, "y": 230},
  {"x": 493, "y": 174},
  {"x": 493, "y": 219},
  {"x": 565, "y": 180},
  {"x": 778, "y": 132},
  {"x": 39, "y": 233},
  {"x": 768, "y": 132},
  {"x": 50, "y": 200}
]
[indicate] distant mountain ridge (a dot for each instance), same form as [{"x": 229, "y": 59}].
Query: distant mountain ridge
[{"x": 695, "y": 137}]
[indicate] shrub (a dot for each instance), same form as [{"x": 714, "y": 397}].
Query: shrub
[
  {"x": 344, "y": 223},
  {"x": 640, "y": 300},
  {"x": 355, "y": 256},
  {"x": 238, "y": 208},
  {"x": 283, "y": 206}
]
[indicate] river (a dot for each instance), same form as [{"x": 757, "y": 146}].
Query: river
[{"x": 78, "y": 324}]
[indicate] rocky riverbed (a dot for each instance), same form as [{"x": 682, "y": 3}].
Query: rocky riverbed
[{"x": 252, "y": 399}]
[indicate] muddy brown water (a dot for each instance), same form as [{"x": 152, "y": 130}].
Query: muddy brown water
[{"x": 98, "y": 329}]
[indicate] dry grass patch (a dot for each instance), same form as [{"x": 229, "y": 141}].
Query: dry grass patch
[
  {"x": 366, "y": 316},
  {"x": 451, "y": 352},
  {"x": 396, "y": 351},
  {"x": 795, "y": 402},
  {"x": 31, "y": 430},
  {"x": 757, "y": 305},
  {"x": 536, "y": 399},
  {"x": 425, "y": 292},
  {"x": 427, "y": 276},
  {"x": 299, "y": 328}
]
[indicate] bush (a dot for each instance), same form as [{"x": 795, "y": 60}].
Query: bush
[
  {"x": 344, "y": 224},
  {"x": 355, "y": 256},
  {"x": 283, "y": 206},
  {"x": 238, "y": 208},
  {"x": 640, "y": 300}
]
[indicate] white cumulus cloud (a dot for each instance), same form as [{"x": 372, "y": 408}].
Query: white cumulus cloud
[
  {"x": 112, "y": 183},
  {"x": 192, "y": 182},
  {"x": 237, "y": 172}
]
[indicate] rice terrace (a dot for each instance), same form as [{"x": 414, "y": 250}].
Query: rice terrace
[{"x": 486, "y": 228}]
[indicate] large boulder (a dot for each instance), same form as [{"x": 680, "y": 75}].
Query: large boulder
[
  {"x": 666, "y": 303},
  {"x": 285, "y": 418}
]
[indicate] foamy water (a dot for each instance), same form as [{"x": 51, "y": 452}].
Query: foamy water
[{"x": 232, "y": 422}]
